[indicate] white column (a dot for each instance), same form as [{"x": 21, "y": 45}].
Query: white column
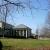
[
  {"x": 23, "y": 32},
  {"x": 19, "y": 33},
  {"x": 26, "y": 33}
]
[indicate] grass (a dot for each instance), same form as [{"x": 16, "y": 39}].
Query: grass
[{"x": 25, "y": 43}]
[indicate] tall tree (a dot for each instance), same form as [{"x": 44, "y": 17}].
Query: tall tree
[
  {"x": 8, "y": 6},
  {"x": 45, "y": 31}
]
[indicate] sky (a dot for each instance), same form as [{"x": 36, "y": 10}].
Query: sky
[{"x": 34, "y": 18}]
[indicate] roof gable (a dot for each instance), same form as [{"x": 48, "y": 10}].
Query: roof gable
[{"x": 22, "y": 26}]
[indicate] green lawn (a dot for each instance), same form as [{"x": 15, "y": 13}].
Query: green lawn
[{"x": 25, "y": 43}]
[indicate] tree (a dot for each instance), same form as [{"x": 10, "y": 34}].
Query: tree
[
  {"x": 45, "y": 31},
  {"x": 8, "y": 6},
  {"x": 48, "y": 24},
  {"x": 37, "y": 33}
]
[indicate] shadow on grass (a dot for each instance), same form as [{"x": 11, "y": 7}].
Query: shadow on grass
[{"x": 1, "y": 45}]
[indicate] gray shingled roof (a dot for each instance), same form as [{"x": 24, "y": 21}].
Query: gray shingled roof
[{"x": 22, "y": 26}]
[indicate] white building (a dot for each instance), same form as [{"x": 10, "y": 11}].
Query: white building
[
  {"x": 9, "y": 30},
  {"x": 23, "y": 31}
]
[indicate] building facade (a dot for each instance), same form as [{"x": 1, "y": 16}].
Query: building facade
[
  {"x": 5, "y": 29},
  {"x": 8, "y": 30},
  {"x": 23, "y": 31}
]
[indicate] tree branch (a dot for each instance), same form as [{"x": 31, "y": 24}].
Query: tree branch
[{"x": 16, "y": 4}]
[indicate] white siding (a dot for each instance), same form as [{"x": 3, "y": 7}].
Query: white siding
[
  {"x": 0, "y": 24},
  {"x": 29, "y": 32}
]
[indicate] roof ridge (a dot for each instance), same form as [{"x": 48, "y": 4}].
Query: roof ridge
[{"x": 22, "y": 26}]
